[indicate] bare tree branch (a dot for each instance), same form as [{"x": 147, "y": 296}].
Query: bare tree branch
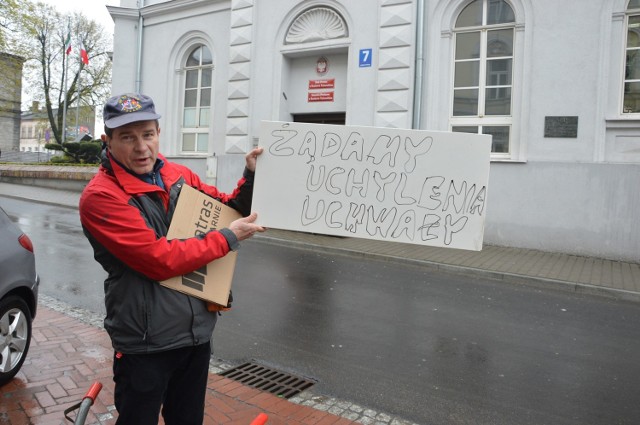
[{"x": 37, "y": 32}]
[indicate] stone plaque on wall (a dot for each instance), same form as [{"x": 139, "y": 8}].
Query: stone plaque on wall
[{"x": 561, "y": 127}]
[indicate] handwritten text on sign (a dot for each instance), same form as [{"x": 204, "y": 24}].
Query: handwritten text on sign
[{"x": 413, "y": 186}]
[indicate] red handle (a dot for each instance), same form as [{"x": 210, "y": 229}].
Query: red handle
[
  {"x": 261, "y": 419},
  {"x": 93, "y": 391}
]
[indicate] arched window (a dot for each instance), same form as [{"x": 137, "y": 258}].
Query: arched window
[
  {"x": 483, "y": 72},
  {"x": 631, "y": 97},
  {"x": 196, "y": 111}
]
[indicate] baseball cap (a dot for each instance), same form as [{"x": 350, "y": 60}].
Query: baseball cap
[{"x": 127, "y": 108}]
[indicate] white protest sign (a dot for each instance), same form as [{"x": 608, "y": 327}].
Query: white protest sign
[{"x": 412, "y": 186}]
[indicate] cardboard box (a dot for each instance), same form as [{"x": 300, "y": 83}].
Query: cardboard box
[{"x": 196, "y": 214}]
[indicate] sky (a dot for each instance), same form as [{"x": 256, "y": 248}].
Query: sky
[{"x": 93, "y": 9}]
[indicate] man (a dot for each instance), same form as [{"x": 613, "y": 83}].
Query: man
[{"x": 160, "y": 336}]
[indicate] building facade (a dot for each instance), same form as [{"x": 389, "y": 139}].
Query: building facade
[
  {"x": 555, "y": 83},
  {"x": 36, "y": 132},
  {"x": 10, "y": 98}
]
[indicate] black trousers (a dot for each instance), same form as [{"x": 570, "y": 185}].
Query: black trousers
[{"x": 174, "y": 380}]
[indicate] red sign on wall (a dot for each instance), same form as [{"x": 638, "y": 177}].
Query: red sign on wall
[
  {"x": 326, "y": 96},
  {"x": 329, "y": 83}
]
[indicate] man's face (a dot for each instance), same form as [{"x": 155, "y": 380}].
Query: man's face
[{"x": 136, "y": 145}]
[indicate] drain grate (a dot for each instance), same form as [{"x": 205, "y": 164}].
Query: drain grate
[{"x": 267, "y": 379}]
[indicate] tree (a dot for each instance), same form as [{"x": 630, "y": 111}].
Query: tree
[
  {"x": 38, "y": 34},
  {"x": 11, "y": 12}
]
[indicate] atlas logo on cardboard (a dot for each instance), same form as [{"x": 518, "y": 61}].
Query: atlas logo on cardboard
[
  {"x": 197, "y": 214},
  {"x": 207, "y": 221},
  {"x": 208, "y": 218}
]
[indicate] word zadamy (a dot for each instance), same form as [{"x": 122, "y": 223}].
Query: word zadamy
[{"x": 385, "y": 148}]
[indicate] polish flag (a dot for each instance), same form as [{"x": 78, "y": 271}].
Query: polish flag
[
  {"x": 67, "y": 44},
  {"x": 83, "y": 54}
]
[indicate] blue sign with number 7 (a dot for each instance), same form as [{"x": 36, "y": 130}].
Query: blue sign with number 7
[{"x": 365, "y": 58}]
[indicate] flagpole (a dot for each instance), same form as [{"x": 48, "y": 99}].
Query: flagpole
[
  {"x": 65, "y": 57},
  {"x": 83, "y": 58},
  {"x": 64, "y": 108},
  {"x": 78, "y": 105}
]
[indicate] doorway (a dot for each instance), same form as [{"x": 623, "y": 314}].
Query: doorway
[{"x": 335, "y": 118}]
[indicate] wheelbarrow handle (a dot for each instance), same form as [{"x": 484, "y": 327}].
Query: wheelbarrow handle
[
  {"x": 84, "y": 406},
  {"x": 93, "y": 391},
  {"x": 261, "y": 419}
]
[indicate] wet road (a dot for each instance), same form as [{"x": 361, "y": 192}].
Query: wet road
[
  {"x": 431, "y": 347},
  {"x": 64, "y": 257}
]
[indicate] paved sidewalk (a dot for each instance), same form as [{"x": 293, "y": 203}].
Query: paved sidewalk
[{"x": 591, "y": 275}]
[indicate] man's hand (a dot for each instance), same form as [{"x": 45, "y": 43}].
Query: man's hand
[
  {"x": 244, "y": 227},
  {"x": 251, "y": 158}
]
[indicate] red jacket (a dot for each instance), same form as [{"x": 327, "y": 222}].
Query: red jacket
[{"x": 126, "y": 221}]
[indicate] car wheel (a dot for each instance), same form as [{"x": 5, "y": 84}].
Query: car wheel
[{"x": 15, "y": 336}]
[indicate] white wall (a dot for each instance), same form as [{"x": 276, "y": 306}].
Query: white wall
[
  {"x": 564, "y": 72},
  {"x": 575, "y": 195},
  {"x": 124, "y": 50},
  {"x": 578, "y": 208},
  {"x": 570, "y": 195}
]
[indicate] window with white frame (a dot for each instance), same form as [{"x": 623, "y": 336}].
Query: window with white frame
[
  {"x": 483, "y": 72},
  {"x": 631, "y": 96},
  {"x": 196, "y": 111}
]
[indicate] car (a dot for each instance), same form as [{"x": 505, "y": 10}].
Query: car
[{"x": 19, "y": 284}]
